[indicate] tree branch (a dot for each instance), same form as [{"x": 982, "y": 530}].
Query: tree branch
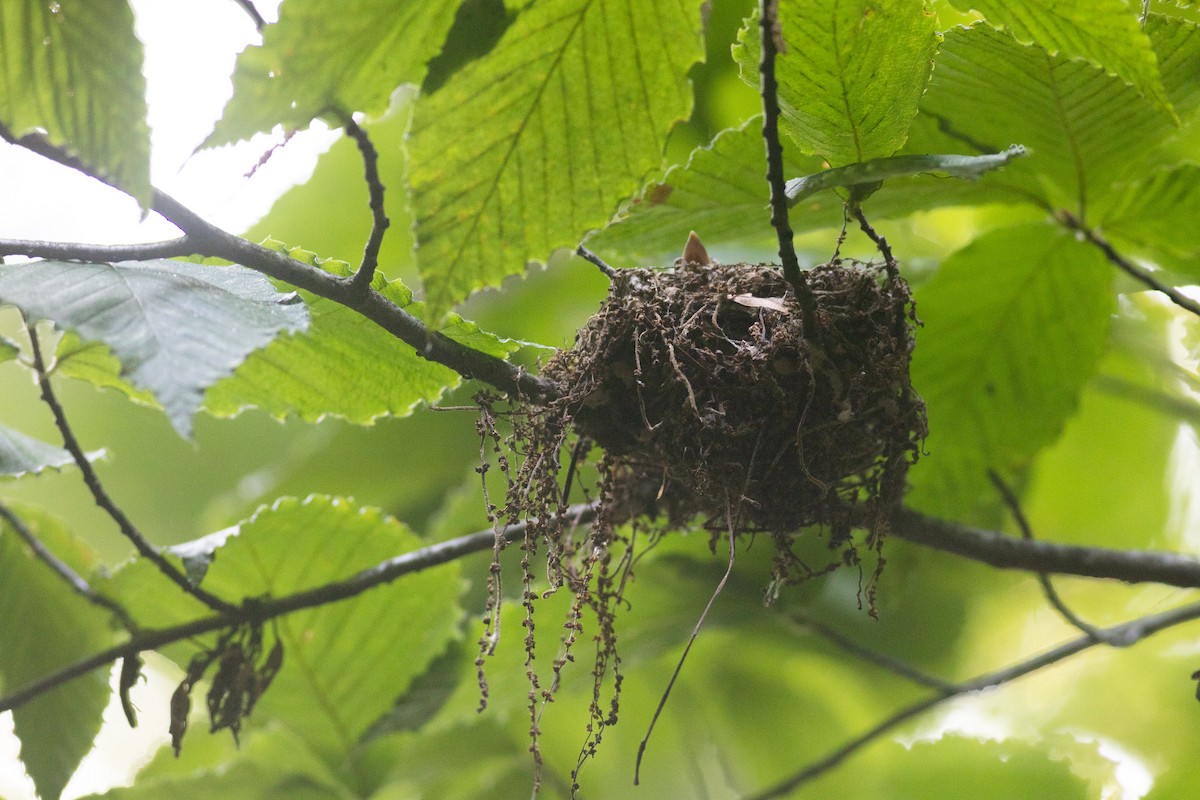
[
  {"x": 1127, "y": 633},
  {"x": 126, "y": 526},
  {"x": 1139, "y": 274},
  {"x": 63, "y": 569},
  {"x": 1008, "y": 552},
  {"x": 181, "y": 246},
  {"x": 209, "y": 240},
  {"x": 248, "y": 7},
  {"x": 379, "y": 219},
  {"x": 265, "y": 609},
  {"x": 771, "y": 39}
]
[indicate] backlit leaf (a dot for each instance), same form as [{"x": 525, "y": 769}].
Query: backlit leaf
[
  {"x": 46, "y": 626},
  {"x": 321, "y": 56},
  {"x": 851, "y": 76},
  {"x": 73, "y": 69},
  {"x": 525, "y": 150},
  {"x": 1105, "y": 32},
  {"x": 24, "y": 455}
]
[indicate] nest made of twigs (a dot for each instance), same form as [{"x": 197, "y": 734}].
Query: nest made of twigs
[{"x": 706, "y": 392}]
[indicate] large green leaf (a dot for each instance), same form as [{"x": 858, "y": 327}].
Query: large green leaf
[
  {"x": 1106, "y": 32},
  {"x": 175, "y": 327},
  {"x": 526, "y": 149},
  {"x": 1014, "y": 325},
  {"x": 73, "y": 69},
  {"x": 344, "y": 663},
  {"x": 319, "y": 56},
  {"x": 46, "y": 626},
  {"x": 346, "y": 365},
  {"x": 1083, "y": 127},
  {"x": 852, "y": 74},
  {"x": 24, "y": 455}
]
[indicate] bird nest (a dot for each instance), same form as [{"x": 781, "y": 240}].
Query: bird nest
[{"x": 708, "y": 395}]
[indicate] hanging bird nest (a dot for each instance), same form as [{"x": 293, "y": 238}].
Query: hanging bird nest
[{"x": 707, "y": 394}]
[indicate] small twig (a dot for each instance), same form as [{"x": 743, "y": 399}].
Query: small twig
[
  {"x": 379, "y": 219},
  {"x": 1139, "y": 274},
  {"x": 732, "y": 518},
  {"x": 588, "y": 255},
  {"x": 248, "y": 7},
  {"x": 264, "y": 609},
  {"x": 1129, "y": 633},
  {"x": 769, "y": 89},
  {"x": 64, "y": 571},
  {"x": 890, "y": 663},
  {"x": 1052, "y": 596},
  {"x": 885, "y": 249},
  {"x": 143, "y": 546}
]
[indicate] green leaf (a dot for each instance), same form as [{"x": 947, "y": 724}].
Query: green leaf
[
  {"x": 524, "y": 150},
  {"x": 46, "y": 626},
  {"x": 344, "y": 663},
  {"x": 1014, "y": 326},
  {"x": 1177, "y": 46},
  {"x": 175, "y": 327},
  {"x": 1105, "y": 32},
  {"x": 852, "y": 75},
  {"x": 73, "y": 69},
  {"x": 721, "y": 193},
  {"x": 346, "y": 365},
  {"x": 24, "y": 455},
  {"x": 872, "y": 173},
  {"x": 1084, "y": 129},
  {"x": 320, "y": 57},
  {"x": 1156, "y": 214}
]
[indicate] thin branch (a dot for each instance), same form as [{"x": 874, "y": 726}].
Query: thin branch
[
  {"x": 600, "y": 264},
  {"x": 379, "y": 219},
  {"x": 1008, "y": 552},
  {"x": 181, "y": 246},
  {"x": 128, "y": 529},
  {"x": 265, "y": 609},
  {"x": 890, "y": 663},
  {"x": 1052, "y": 596},
  {"x": 1128, "y": 633},
  {"x": 209, "y": 240},
  {"x": 769, "y": 89},
  {"x": 64, "y": 570},
  {"x": 1139, "y": 274},
  {"x": 248, "y": 7},
  {"x": 885, "y": 249}
]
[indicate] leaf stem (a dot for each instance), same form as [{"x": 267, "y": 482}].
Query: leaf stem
[
  {"x": 769, "y": 89},
  {"x": 92, "y": 480}
]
